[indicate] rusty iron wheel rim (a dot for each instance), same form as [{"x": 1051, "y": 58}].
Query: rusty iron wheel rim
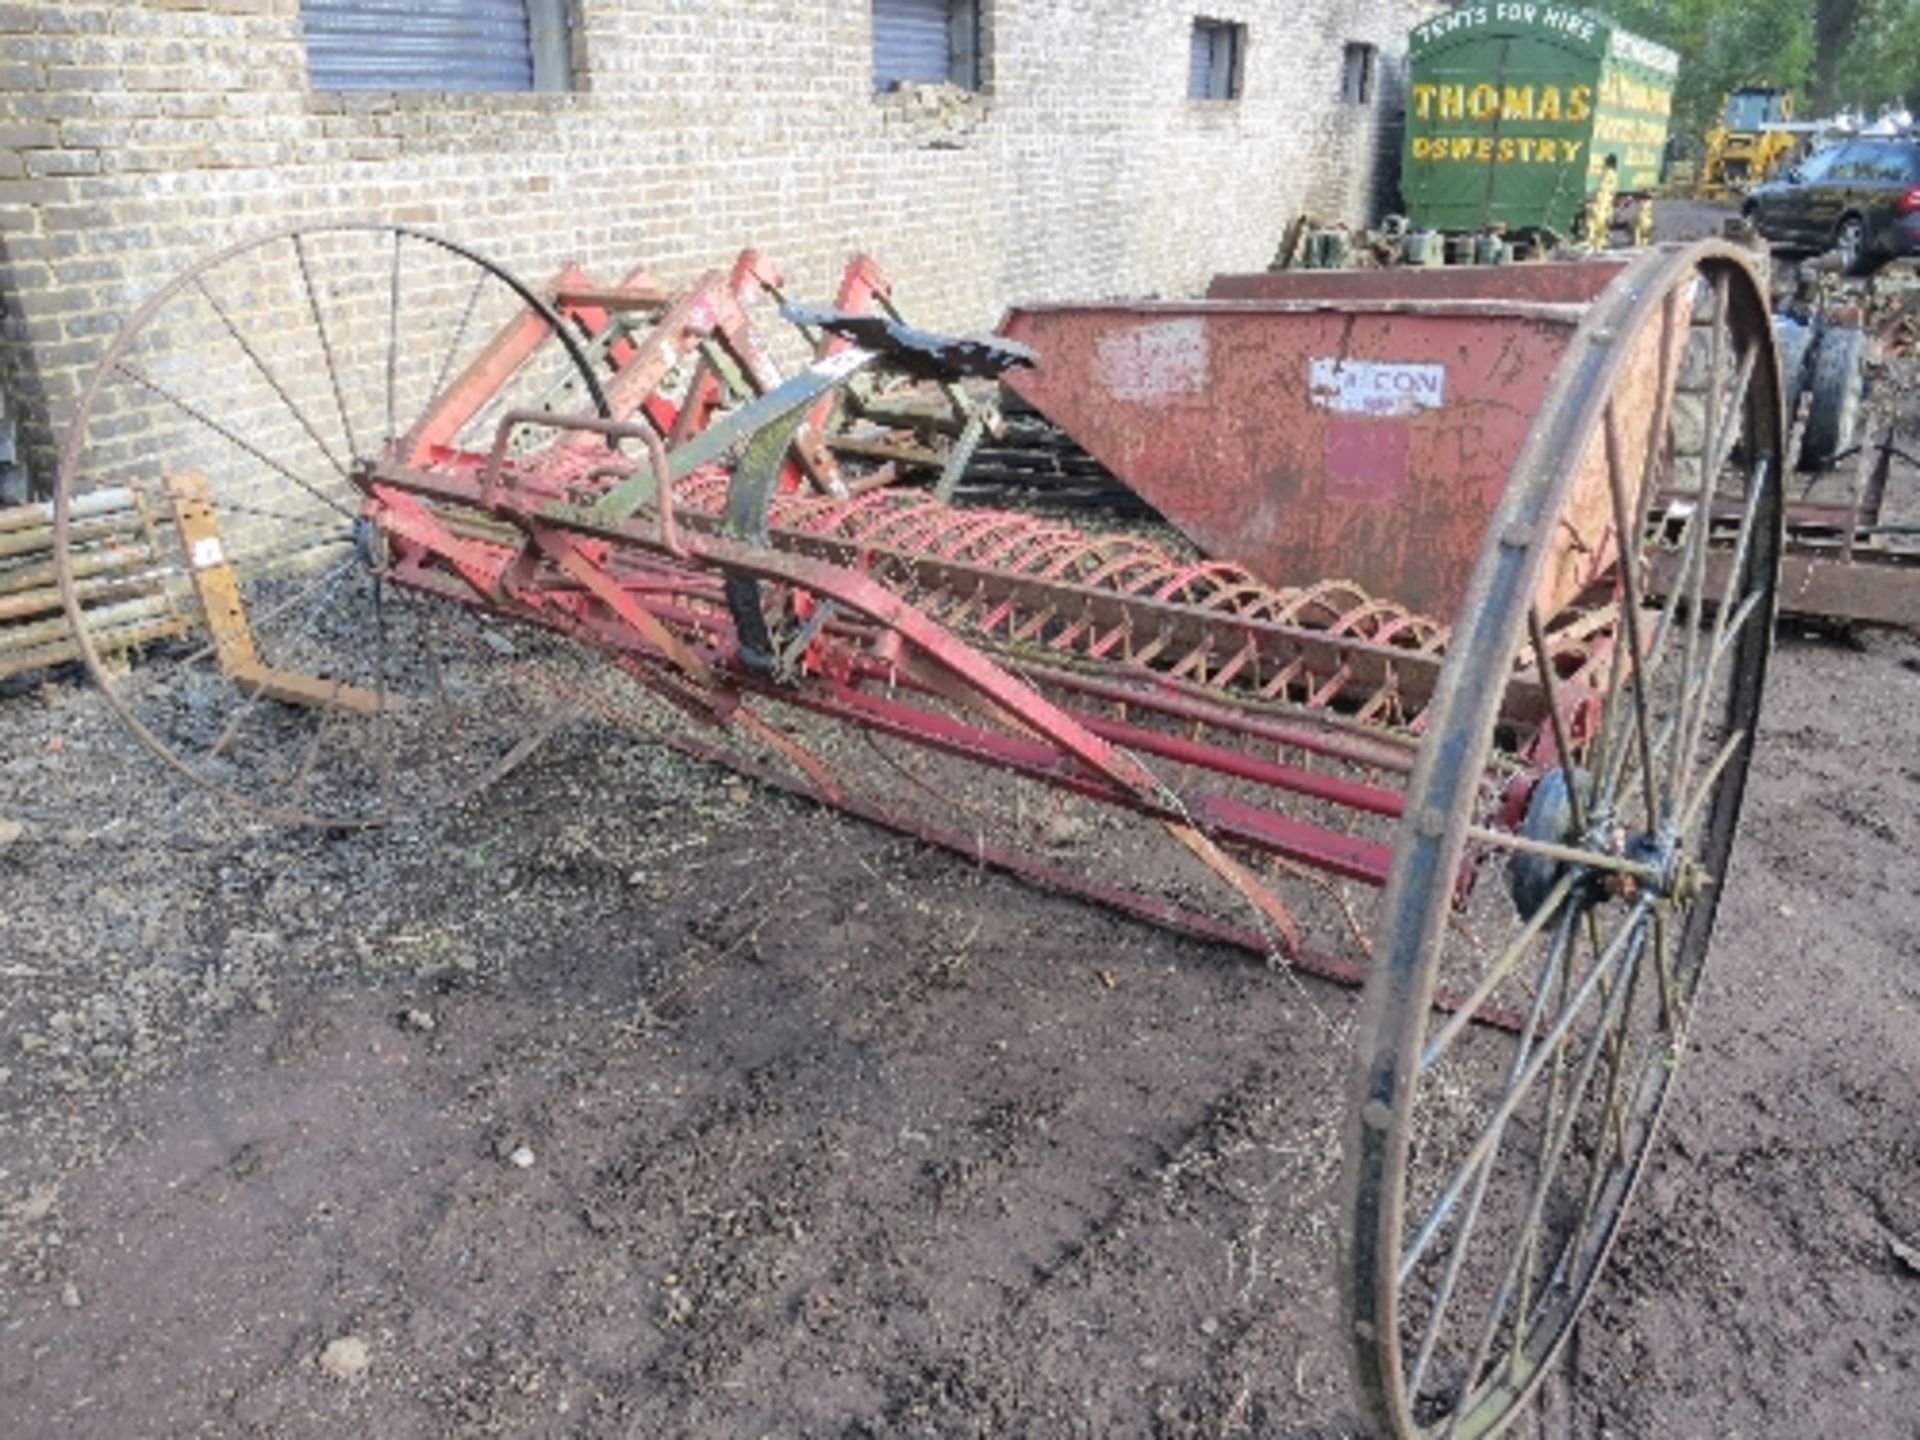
[
  {"x": 1411, "y": 1262},
  {"x": 328, "y": 415}
]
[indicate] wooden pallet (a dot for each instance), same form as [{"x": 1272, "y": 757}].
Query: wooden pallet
[{"x": 122, "y": 579}]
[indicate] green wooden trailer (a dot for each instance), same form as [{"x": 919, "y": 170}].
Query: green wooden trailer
[{"x": 1514, "y": 110}]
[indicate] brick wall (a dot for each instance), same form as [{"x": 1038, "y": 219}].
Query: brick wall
[{"x": 137, "y": 134}]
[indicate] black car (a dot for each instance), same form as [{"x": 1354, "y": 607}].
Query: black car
[{"x": 1860, "y": 198}]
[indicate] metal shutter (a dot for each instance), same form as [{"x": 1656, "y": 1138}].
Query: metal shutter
[
  {"x": 1200, "y": 64},
  {"x": 911, "y": 41},
  {"x": 1213, "y": 62},
  {"x": 418, "y": 44}
]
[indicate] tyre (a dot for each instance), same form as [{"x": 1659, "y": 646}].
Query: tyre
[
  {"x": 1837, "y": 380},
  {"x": 1794, "y": 344},
  {"x": 1850, "y": 244}
]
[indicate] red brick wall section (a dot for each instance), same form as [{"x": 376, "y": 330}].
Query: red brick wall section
[{"x": 135, "y": 134}]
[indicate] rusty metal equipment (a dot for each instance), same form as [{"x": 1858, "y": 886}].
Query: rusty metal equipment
[
  {"x": 1399, "y": 687},
  {"x": 1848, "y": 558},
  {"x": 1851, "y": 555}
]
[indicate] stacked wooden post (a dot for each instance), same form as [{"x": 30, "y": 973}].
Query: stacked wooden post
[{"x": 120, "y": 577}]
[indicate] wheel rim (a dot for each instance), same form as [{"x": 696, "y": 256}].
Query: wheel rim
[
  {"x": 1848, "y": 243},
  {"x": 1487, "y": 1175},
  {"x": 263, "y": 379}
]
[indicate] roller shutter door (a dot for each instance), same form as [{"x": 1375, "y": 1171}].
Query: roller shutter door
[
  {"x": 1211, "y": 61},
  {"x": 912, "y": 40},
  {"x": 418, "y": 44}
]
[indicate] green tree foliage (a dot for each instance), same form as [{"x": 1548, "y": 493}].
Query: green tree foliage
[
  {"x": 1881, "y": 61},
  {"x": 1724, "y": 43},
  {"x": 1833, "y": 54}
]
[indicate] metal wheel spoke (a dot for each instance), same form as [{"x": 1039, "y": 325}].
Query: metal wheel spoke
[
  {"x": 326, "y": 344},
  {"x": 383, "y": 714},
  {"x": 1628, "y": 767},
  {"x": 273, "y": 382},
  {"x": 1511, "y": 1098},
  {"x": 1699, "y": 536},
  {"x": 1749, "y": 608},
  {"x": 1694, "y": 584},
  {"x": 1724, "y": 623},
  {"x": 1550, "y": 688},
  {"x": 446, "y": 363},
  {"x": 393, "y": 341},
  {"x": 297, "y": 783},
  {"x": 1694, "y": 545},
  {"x": 140, "y": 377},
  {"x": 1630, "y": 584},
  {"x": 1611, "y": 1122},
  {"x": 1482, "y": 1173},
  {"x": 1729, "y": 625},
  {"x": 1565, "y": 854},
  {"x": 1504, "y": 966},
  {"x": 1670, "y": 1014},
  {"x": 1554, "y": 1145},
  {"x": 1607, "y": 1039},
  {"x": 231, "y": 730},
  {"x": 1600, "y": 1176},
  {"x": 1670, "y": 726},
  {"x": 1703, "y": 791},
  {"x": 1481, "y": 1156},
  {"x": 1608, "y": 743},
  {"x": 1555, "y": 1107},
  {"x": 1449, "y": 1279},
  {"x": 256, "y": 621},
  {"x": 1693, "y": 699},
  {"x": 1650, "y": 469},
  {"x": 426, "y": 625},
  {"x": 1760, "y": 482}
]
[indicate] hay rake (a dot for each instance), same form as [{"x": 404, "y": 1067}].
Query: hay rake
[{"x": 1396, "y": 656}]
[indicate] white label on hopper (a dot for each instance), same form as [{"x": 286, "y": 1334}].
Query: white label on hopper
[{"x": 1373, "y": 387}]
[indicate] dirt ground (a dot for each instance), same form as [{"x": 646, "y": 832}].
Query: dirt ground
[{"x": 631, "y": 1100}]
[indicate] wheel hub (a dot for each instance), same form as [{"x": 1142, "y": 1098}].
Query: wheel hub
[{"x": 1656, "y": 865}]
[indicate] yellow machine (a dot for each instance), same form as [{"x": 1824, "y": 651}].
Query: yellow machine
[{"x": 1752, "y": 140}]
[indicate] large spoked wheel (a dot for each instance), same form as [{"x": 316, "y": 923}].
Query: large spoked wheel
[
  {"x": 1565, "y": 868},
  {"x": 238, "y": 405}
]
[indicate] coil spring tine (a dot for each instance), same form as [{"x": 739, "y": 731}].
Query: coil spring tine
[{"x": 1047, "y": 553}]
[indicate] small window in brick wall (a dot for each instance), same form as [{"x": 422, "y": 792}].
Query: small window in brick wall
[
  {"x": 1213, "y": 71},
  {"x": 1361, "y": 72},
  {"x": 502, "y": 45},
  {"x": 927, "y": 42}
]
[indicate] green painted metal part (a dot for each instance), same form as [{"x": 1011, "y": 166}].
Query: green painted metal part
[
  {"x": 1514, "y": 109},
  {"x": 738, "y": 428}
]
